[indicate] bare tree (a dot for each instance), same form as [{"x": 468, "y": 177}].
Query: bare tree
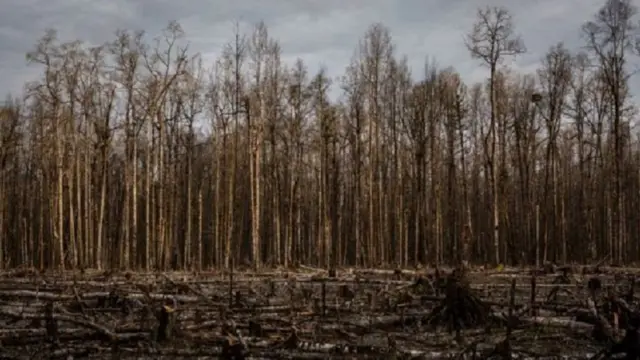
[
  {"x": 610, "y": 38},
  {"x": 138, "y": 154},
  {"x": 555, "y": 80},
  {"x": 491, "y": 39}
]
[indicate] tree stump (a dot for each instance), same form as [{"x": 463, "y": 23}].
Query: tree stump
[{"x": 461, "y": 308}]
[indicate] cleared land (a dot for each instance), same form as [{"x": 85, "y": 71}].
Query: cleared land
[{"x": 311, "y": 314}]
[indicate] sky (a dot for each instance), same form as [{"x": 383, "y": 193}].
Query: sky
[{"x": 324, "y": 33}]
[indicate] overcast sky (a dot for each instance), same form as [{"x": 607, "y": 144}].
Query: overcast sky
[{"x": 321, "y": 32}]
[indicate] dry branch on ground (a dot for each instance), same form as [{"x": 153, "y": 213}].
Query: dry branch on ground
[{"x": 309, "y": 315}]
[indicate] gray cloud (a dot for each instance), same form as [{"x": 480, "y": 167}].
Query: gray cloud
[{"x": 323, "y": 33}]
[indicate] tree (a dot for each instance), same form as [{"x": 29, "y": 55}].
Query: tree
[
  {"x": 555, "y": 80},
  {"x": 610, "y": 38},
  {"x": 137, "y": 154},
  {"x": 491, "y": 39}
]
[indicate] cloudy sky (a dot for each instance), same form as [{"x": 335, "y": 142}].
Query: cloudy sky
[{"x": 322, "y": 32}]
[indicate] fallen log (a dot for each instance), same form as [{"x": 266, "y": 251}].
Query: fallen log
[
  {"x": 564, "y": 322},
  {"x": 385, "y": 321},
  {"x": 103, "y": 330},
  {"x": 49, "y": 296}
]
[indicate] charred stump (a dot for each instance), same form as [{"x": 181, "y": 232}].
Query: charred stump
[
  {"x": 461, "y": 308},
  {"x": 166, "y": 322},
  {"x": 232, "y": 350},
  {"x": 51, "y": 325},
  {"x": 292, "y": 342},
  {"x": 255, "y": 329},
  {"x": 629, "y": 345}
]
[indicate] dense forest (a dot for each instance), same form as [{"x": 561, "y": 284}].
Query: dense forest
[{"x": 137, "y": 155}]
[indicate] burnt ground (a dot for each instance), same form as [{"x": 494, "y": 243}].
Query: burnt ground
[{"x": 312, "y": 314}]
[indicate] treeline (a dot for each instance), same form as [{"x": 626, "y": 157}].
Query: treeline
[{"x": 134, "y": 154}]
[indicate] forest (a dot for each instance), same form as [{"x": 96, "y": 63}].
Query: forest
[{"x": 136, "y": 154}]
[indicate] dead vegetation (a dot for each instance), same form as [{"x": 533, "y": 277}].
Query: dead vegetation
[{"x": 306, "y": 314}]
